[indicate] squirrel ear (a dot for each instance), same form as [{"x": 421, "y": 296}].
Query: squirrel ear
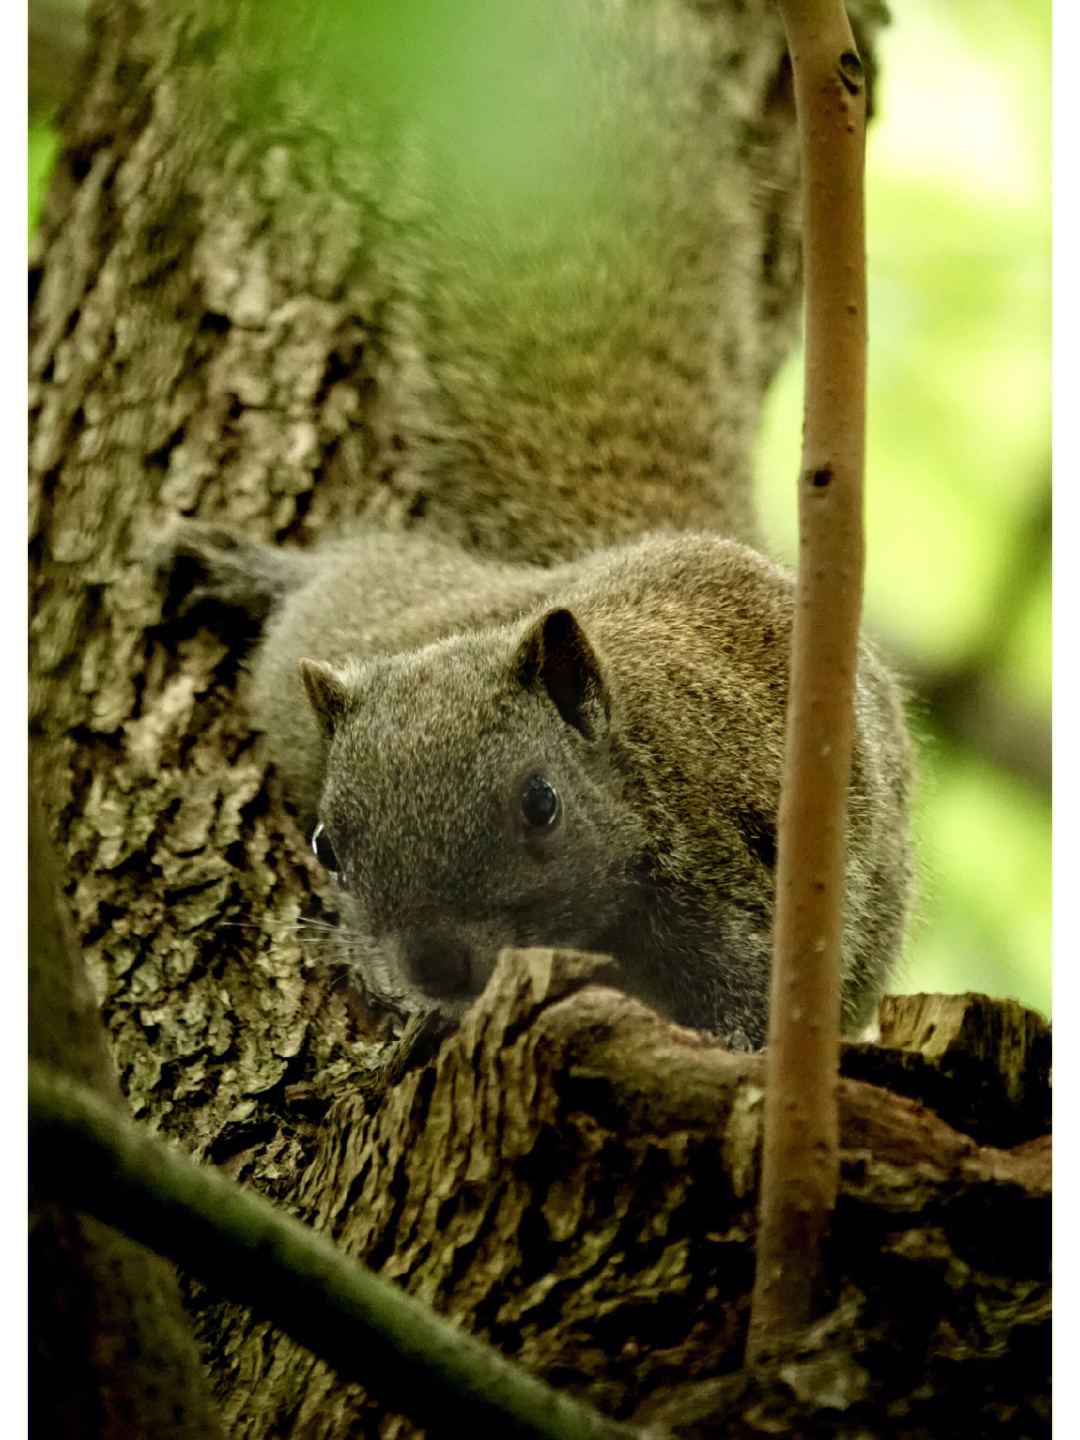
[
  {"x": 556, "y": 654},
  {"x": 326, "y": 691}
]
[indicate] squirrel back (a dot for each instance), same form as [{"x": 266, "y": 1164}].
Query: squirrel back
[{"x": 496, "y": 754}]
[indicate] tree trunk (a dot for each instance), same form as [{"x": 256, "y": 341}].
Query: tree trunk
[
  {"x": 111, "y": 1352},
  {"x": 263, "y": 293}
]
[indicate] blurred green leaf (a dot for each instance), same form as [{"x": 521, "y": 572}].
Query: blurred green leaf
[
  {"x": 44, "y": 148},
  {"x": 984, "y": 858},
  {"x": 1024, "y": 663}
]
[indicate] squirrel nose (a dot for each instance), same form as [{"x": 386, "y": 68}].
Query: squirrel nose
[{"x": 443, "y": 960}]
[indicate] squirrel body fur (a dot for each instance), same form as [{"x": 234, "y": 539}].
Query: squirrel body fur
[{"x": 589, "y": 755}]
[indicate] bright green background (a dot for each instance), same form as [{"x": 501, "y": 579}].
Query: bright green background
[
  {"x": 958, "y": 454},
  {"x": 959, "y": 449}
]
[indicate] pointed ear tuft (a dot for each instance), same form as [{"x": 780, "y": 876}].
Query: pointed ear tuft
[
  {"x": 327, "y": 692},
  {"x": 555, "y": 653}
]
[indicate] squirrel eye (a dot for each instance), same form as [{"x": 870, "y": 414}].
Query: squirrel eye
[
  {"x": 539, "y": 803},
  {"x": 324, "y": 851}
]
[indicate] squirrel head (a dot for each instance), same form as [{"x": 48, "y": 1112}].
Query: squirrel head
[{"x": 469, "y": 803}]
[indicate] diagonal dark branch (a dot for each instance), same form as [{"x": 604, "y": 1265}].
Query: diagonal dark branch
[{"x": 85, "y": 1155}]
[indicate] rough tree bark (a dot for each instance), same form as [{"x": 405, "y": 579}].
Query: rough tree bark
[
  {"x": 251, "y": 298},
  {"x": 116, "y": 1358}
]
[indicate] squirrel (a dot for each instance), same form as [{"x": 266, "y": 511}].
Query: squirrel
[
  {"x": 520, "y": 722},
  {"x": 493, "y": 754}
]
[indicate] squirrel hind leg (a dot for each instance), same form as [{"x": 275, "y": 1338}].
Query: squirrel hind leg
[{"x": 198, "y": 565}]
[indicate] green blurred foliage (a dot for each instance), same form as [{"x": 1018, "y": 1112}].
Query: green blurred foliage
[
  {"x": 958, "y": 453},
  {"x": 44, "y": 147},
  {"x": 984, "y": 868},
  {"x": 513, "y": 99},
  {"x": 958, "y": 185}
]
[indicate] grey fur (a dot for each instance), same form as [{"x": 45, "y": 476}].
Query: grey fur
[{"x": 646, "y": 683}]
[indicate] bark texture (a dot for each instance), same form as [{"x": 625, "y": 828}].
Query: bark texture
[
  {"x": 112, "y": 1354},
  {"x": 255, "y": 297}
]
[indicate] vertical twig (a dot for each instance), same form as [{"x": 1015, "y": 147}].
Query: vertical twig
[{"x": 801, "y": 1137}]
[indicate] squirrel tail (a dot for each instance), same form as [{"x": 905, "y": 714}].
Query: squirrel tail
[{"x": 196, "y": 563}]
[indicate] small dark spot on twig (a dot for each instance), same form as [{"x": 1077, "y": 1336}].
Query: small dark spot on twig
[
  {"x": 851, "y": 72},
  {"x": 820, "y": 478}
]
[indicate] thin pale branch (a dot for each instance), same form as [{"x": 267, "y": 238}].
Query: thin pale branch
[
  {"x": 85, "y": 1155},
  {"x": 800, "y": 1163}
]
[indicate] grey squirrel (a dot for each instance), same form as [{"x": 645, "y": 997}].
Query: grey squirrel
[
  {"x": 489, "y": 752},
  {"x": 492, "y": 754}
]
